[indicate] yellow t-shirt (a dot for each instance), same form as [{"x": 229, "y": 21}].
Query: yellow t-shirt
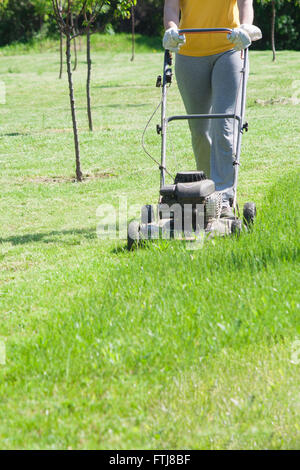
[{"x": 207, "y": 14}]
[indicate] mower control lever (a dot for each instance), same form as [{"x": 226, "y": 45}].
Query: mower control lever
[
  {"x": 245, "y": 127},
  {"x": 169, "y": 58},
  {"x": 169, "y": 75}
]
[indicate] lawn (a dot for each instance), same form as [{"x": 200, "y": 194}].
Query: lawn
[{"x": 164, "y": 347}]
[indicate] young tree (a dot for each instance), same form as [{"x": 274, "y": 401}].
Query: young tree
[
  {"x": 64, "y": 11},
  {"x": 275, "y": 4},
  {"x": 75, "y": 43},
  {"x": 61, "y": 46},
  {"x": 44, "y": 8},
  {"x": 91, "y": 11},
  {"x": 121, "y": 8}
]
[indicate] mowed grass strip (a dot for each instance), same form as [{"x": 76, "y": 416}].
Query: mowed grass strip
[{"x": 159, "y": 348}]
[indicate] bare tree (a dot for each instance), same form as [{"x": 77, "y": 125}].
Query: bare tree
[
  {"x": 74, "y": 43},
  {"x": 275, "y": 4},
  {"x": 64, "y": 14},
  {"x": 67, "y": 13},
  {"x": 88, "y": 80},
  {"x": 93, "y": 8},
  {"x": 61, "y": 45},
  {"x": 61, "y": 53},
  {"x": 91, "y": 12}
]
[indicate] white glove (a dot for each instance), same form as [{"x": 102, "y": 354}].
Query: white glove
[
  {"x": 173, "y": 40},
  {"x": 243, "y": 36}
]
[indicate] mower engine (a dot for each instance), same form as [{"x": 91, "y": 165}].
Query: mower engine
[
  {"x": 194, "y": 197},
  {"x": 187, "y": 208}
]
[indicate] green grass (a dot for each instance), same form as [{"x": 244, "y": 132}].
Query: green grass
[
  {"x": 120, "y": 42},
  {"x": 159, "y": 348}
]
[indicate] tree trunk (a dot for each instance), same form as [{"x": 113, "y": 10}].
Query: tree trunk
[
  {"x": 73, "y": 109},
  {"x": 132, "y": 32},
  {"x": 61, "y": 54},
  {"x": 79, "y": 37},
  {"x": 273, "y": 29},
  {"x": 88, "y": 82},
  {"x": 75, "y": 43}
]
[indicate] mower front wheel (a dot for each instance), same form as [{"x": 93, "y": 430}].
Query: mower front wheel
[
  {"x": 236, "y": 227},
  {"x": 133, "y": 235}
]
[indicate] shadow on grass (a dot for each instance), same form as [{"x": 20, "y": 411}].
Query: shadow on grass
[{"x": 49, "y": 237}]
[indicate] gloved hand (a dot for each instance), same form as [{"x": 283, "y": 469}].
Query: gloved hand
[
  {"x": 243, "y": 36},
  {"x": 172, "y": 40}
]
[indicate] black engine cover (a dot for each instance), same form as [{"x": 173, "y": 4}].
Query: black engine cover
[
  {"x": 189, "y": 176},
  {"x": 187, "y": 193},
  {"x": 194, "y": 193}
]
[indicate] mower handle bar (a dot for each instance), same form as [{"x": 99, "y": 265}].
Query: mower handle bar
[{"x": 204, "y": 30}]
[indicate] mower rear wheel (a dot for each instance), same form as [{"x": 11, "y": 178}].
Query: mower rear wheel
[
  {"x": 249, "y": 213},
  {"x": 133, "y": 235},
  {"x": 147, "y": 214}
]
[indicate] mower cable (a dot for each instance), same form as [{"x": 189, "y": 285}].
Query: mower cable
[{"x": 143, "y": 139}]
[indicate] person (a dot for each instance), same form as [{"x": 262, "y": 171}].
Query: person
[{"x": 208, "y": 73}]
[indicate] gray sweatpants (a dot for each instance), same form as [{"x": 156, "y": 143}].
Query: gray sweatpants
[{"x": 212, "y": 84}]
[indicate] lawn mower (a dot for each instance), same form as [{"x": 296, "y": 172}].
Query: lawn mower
[{"x": 190, "y": 207}]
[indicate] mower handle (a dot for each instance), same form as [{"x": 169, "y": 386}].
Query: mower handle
[{"x": 204, "y": 30}]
